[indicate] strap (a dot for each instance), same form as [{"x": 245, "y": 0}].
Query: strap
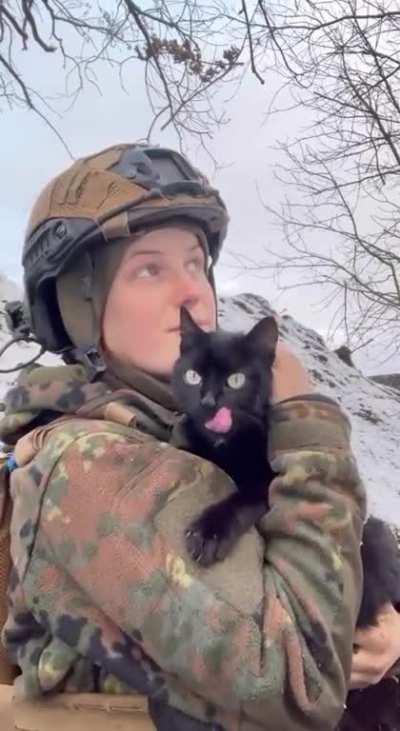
[
  {"x": 77, "y": 711},
  {"x": 7, "y": 671}
]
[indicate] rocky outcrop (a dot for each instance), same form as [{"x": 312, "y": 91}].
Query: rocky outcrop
[{"x": 391, "y": 379}]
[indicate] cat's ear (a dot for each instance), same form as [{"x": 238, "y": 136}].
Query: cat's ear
[
  {"x": 190, "y": 331},
  {"x": 263, "y": 337},
  {"x": 188, "y": 325}
]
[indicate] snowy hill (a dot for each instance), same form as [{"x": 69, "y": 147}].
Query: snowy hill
[{"x": 374, "y": 408}]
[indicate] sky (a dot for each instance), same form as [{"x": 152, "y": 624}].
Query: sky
[{"x": 31, "y": 154}]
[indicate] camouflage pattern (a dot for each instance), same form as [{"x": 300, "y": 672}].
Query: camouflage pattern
[{"x": 104, "y": 597}]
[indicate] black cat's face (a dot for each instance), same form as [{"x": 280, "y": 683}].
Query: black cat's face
[{"x": 222, "y": 380}]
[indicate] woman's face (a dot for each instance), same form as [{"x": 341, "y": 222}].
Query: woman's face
[{"x": 160, "y": 272}]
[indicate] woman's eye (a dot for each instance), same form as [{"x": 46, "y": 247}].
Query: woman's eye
[
  {"x": 192, "y": 378},
  {"x": 196, "y": 265},
  {"x": 236, "y": 380},
  {"x": 150, "y": 270}
]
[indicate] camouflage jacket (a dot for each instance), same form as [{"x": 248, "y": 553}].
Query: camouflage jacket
[{"x": 103, "y": 595}]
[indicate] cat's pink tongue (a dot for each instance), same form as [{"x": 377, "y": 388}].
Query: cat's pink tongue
[{"x": 221, "y": 422}]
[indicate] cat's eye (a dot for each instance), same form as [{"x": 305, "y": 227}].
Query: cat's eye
[
  {"x": 192, "y": 378},
  {"x": 236, "y": 380}
]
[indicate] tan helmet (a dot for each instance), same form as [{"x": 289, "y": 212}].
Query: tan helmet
[{"x": 101, "y": 199}]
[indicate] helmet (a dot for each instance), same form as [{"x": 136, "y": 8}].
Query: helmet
[{"x": 101, "y": 199}]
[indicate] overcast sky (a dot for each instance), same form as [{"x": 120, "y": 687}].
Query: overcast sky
[{"x": 31, "y": 154}]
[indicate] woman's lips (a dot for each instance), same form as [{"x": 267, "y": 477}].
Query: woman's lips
[{"x": 203, "y": 325}]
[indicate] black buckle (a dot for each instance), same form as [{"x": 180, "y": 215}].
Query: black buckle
[{"x": 90, "y": 358}]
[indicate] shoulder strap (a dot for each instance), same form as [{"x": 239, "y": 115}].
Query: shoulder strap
[{"x": 7, "y": 671}]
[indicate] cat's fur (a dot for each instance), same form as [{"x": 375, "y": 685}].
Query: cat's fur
[{"x": 242, "y": 453}]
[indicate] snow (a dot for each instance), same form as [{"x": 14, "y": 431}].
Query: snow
[{"x": 373, "y": 409}]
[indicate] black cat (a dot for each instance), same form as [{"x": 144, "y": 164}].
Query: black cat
[{"x": 223, "y": 383}]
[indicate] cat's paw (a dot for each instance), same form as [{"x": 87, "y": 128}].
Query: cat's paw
[{"x": 207, "y": 539}]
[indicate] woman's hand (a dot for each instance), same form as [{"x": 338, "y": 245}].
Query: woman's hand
[
  {"x": 290, "y": 377},
  {"x": 377, "y": 648}
]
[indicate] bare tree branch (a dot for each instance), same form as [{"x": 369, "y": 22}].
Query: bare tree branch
[
  {"x": 341, "y": 217},
  {"x": 185, "y": 45}
]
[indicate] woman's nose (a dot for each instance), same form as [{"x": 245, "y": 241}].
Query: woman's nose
[{"x": 187, "y": 290}]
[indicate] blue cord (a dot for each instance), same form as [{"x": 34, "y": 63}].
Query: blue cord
[{"x": 11, "y": 463}]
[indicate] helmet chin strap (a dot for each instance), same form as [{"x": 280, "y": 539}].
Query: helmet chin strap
[
  {"x": 81, "y": 304},
  {"x": 84, "y": 328},
  {"x": 89, "y": 357}
]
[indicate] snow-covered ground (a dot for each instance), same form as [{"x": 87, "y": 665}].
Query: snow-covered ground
[{"x": 374, "y": 409}]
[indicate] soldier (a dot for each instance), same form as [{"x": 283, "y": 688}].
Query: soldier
[{"x": 103, "y": 595}]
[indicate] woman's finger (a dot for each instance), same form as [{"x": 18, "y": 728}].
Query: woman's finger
[
  {"x": 359, "y": 681},
  {"x": 366, "y": 664}
]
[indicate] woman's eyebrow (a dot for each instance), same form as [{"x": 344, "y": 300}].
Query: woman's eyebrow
[
  {"x": 156, "y": 251},
  {"x": 143, "y": 253}
]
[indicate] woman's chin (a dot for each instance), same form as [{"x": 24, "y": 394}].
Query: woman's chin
[{"x": 161, "y": 370}]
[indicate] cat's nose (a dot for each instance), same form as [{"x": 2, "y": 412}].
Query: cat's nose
[{"x": 208, "y": 399}]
